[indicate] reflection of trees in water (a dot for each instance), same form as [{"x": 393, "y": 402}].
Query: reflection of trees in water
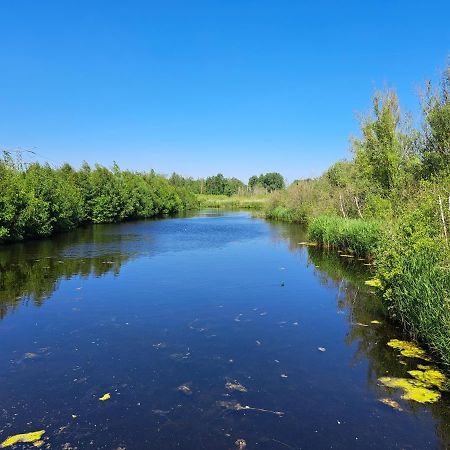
[
  {"x": 353, "y": 297},
  {"x": 31, "y": 271}
]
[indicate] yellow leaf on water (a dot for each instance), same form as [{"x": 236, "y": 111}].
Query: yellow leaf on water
[
  {"x": 25, "y": 437},
  {"x": 409, "y": 349},
  {"x": 105, "y": 397}
]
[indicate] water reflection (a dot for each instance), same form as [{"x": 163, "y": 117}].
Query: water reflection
[
  {"x": 201, "y": 302},
  {"x": 31, "y": 271}
]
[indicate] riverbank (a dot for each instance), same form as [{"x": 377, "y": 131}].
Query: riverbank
[{"x": 255, "y": 202}]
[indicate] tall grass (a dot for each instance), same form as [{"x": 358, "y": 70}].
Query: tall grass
[
  {"x": 285, "y": 214},
  {"x": 233, "y": 202},
  {"x": 356, "y": 236},
  {"x": 415, "y": 277}
]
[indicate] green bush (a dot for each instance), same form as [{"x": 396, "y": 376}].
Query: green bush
[{"x": 38, "y": 201}]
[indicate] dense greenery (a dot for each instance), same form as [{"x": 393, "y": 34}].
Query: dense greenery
[
  {"x": 268, "y": 182},
  {"x": 214, "y": 185},
  {"x": 391, "y": 201},
  {"x": 37, "y": 200}
]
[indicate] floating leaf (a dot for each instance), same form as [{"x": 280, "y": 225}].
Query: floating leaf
[
  {"x": 409, "y": 349},
  {"x": 235, "y": 386},
  {"x": 238, "y": 407},
  {"x": 374, "y": 282},
  {"x": 392, "y": 403},
  {"x": 25, "y": 437},
  {"x": 184, "y": 389},
  {"x": 412, "y": 389},
  {"x": 105, "y": 397}
]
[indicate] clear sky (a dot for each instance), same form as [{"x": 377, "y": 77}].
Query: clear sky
[{"x": 197, "y": 87}]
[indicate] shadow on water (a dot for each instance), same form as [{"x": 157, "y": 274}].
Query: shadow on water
[{"x": 204, "y": 302}]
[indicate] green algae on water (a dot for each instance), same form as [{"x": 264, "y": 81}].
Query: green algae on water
[
  {"x": 25, "y": 437},
  {"x": 412, "y": 389},
  {"x": 431, "y": 377},
  {"x": 409, "y": 349}
]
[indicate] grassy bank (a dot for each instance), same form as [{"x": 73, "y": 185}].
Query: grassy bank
[
  {"x": 391, "y": 202},
  {"x": 354, "y": 236},
  {"x": 232, "y": 202}
]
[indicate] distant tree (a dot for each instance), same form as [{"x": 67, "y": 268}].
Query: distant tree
[
  {"x": 253, "y": 182},
  {"x": 215, "y": 185},
  {"x": 272, "y": 181}
]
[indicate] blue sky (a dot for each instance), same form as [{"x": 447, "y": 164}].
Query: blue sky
[{"x": 197, "y": 87}]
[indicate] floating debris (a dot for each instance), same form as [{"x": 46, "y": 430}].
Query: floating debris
[
  {"x": 184, "y": 389},
  {"x": 409, "y": 349},
  {"x": 311, "y": 244},
  {"x": 392, "y": 403},
  {"x": 238, "y": 318},
  {"x": 412, "y": 389},
  {"x": 234, "y": 406},
  {"x": 361, "y": 324},
  {"x": 240, "y": 444},
  {"x": 344, "y": 255},
  {"x": 376, "y": 322},
  {"x": 30, "y": 355},
  {"x": 105, "y": 397},
  {"x": 322, "y": 349},
  {"x": 159, "y": 345},
  {"x": 258, "y": 342},
  {"x": 25, "y": 437},
  {"x": 283, "y": 375},
  {"x": 235, "y": 386},
  {"x": 374, "y": 282}
]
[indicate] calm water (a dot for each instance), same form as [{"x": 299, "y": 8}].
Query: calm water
[{"x": 139, "y": 309}]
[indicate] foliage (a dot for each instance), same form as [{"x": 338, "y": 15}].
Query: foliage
[
  {"x": 268, "y": 182},
  {"x": 37, "y": 200}
]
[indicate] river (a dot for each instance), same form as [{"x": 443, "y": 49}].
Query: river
[{"x": 211, "y": 331}]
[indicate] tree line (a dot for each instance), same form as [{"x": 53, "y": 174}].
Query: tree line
[
  {"x": 220, "y": 185},
  {"x": 37, "y": 200}
]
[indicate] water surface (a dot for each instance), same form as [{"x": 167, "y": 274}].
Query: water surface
[{"x": 139, "y": 309}]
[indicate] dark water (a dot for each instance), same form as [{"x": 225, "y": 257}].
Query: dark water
[{"x": 138, "y": 309}]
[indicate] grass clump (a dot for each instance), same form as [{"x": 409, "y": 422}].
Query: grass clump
[{"x": 355, "y": 236}]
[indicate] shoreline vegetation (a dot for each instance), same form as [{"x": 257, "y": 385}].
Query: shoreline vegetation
[{"x": 390, "y": 203}]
